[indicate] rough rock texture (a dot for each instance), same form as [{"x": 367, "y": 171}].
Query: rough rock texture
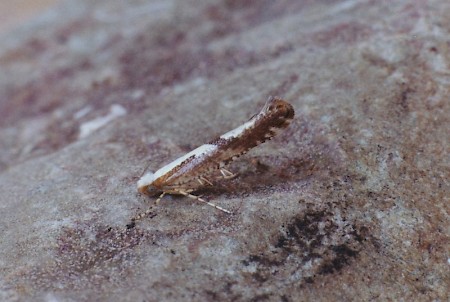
[
  {"x": 350, "y": 203},
  {"x": 17, "y": 12}
]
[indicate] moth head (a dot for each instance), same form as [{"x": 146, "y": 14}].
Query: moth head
[{"x": 145, "y": 185}]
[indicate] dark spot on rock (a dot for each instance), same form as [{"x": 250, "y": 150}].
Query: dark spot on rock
[
  {"x": 315, "y": 241},
  {"x": 343, "y": 255},
  {"x": 131, "y": 225}
]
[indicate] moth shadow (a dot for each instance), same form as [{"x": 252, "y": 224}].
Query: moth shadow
[{"x": 261, "y": 174}]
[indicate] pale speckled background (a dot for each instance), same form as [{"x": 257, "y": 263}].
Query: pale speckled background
[
  {"x": 350, "y": 203},
  {"x": 17, "y": 13}
]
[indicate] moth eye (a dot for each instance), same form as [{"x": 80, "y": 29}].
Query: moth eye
[{"x": 152, "y": 191}]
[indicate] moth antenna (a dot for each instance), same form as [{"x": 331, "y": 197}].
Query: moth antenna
[
  {"x": 204, "y": 201},
  {"x": 140, "y": 216},
  {"x": 142, "y": 174},
  {"x": 146, "y": 213}
]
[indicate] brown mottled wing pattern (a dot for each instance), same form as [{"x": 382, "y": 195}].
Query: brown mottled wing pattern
[
  {"x": 274, "y": 117},
  {"x": 190, "y": 171}
]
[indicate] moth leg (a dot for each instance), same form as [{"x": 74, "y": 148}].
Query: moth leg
[
  {"x": 160, "y": 197},
  {"x": 227, "y": 174},
  {"x": 202, "y": 200},
  {"x": 202, "y": 178}
]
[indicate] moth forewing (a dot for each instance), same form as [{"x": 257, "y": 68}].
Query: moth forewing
[{"x": 190, "y": 171}]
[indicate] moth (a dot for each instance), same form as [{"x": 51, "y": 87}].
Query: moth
[{"x": 194, "y": 170}]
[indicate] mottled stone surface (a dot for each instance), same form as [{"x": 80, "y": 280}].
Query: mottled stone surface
[{"x": 350, "y": 203}]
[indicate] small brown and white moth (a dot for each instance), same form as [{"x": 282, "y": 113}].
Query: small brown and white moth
[{"x": 191, "y": 171}]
